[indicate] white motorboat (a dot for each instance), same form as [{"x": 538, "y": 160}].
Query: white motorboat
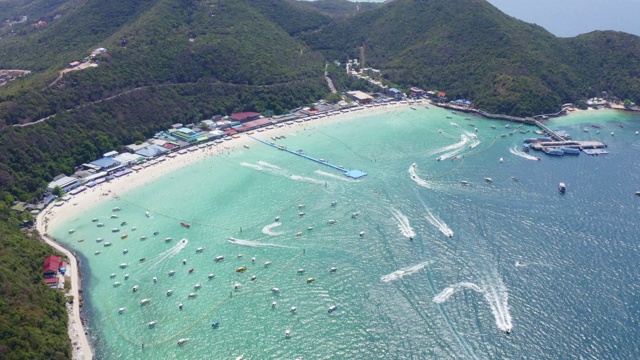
[
  {"x": 354, "y": 215},
  {"x": 293, "y": 309},
  {"x": 184, "y": 261},
  {"x": 267, "y": 263},
  {"x": 361, "y": 233},
  {"x": 199, "y": 250},
  {"x": 135, "y": 288},
  {"x": 94, "y": 219},
  {"x": 182, "y": 341},
  {"x": 301, "y": 214},
  {"x": 333, "y": 269},
  {"x": 152, "y": 324},
  {"x": 168, "y": 239},
  {"x": 464, "y": 182},
  {"x": 115, "y": 230},
  {"x": 113, "y": 275},
  {"x": 300, "y": 206},
  {"x": 134, "y": 228},
  {"x": 97, "y": 253},
  {"x": 143, "y": 237},
  {"x": 253, "y": 277},
  {"x": 155, "y": 279},
  {"x": 310, "y": 228},
  {"x": 331, "y": 221},
  {"x": 99, "y": 224},
  {"x": 125, "y": 251},
  {"x": 334, "y": 203},
  {"x": 239, "y": 256},
  {"x": 273, "y": 305},
  {"x": 172, "y": 272},
  {"x": 121, "y": 310},
  {"x": 488, "y": 179},
  {"x": 144, "y": 301},
  {"x": 114, "y": 216},
  {"x": 147, "y": 214},
  {"x": 301, "y": 270},
  {"x": 192, "y": 295},
  {"x": 126, "y": 276},
  {"x": 71, "y": 231},
  {"x": 197, "y": 286},
  {"x": 253, "y": 259},
  {"x": 332, "y": 308},
  {"x": 219, "y": 258},
  {"x": 287, "y": 333},
  {"x": 236, "y": 286},
  {"x": 123, "y": 265},
  {"x": 169, "y": 292},
  {"x": 275, "y": 290},
  {"x": 277, "y": 218},
  {"x": 106, "y": 244},
  {"x": 99, "y": 240},
  {"x": 117, "y": 283},
  {"x": 117, "y": 208}
]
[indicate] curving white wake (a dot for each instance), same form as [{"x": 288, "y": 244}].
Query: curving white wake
[
  {"x": 399, "y": 274},
  {"x": 441, "y": 225},
  {"x": 167, "y": 254},
  {"x": 266, "y": 164},
  {"x": 418, "y": 180},
  {"x": 403, "y": 223},
  {"x": 514, "y": 150},
  {"x": 256, "y": 244},
  {"x": 446, "y": 293},
  {"x": 496, "y": 295},
  {"x": 267, "y": 229},
  {"x": 306, "y": 179},
  {"x": 276, "y": 170}
]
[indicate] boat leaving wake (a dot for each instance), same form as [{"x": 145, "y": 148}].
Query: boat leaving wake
[
  {"x": 414, "y": 176},
  {"x": 334, "y": 176},
  {"x": 267, "y": 229},
  {"x": 495, "y": 294},
  {"x": 255, "y": 243},
  {"x": 446, "y": 293},
  {"x": 276, "y": 170},
  {"x": 403, "y": 224},
  {"x": 167, "y": 254},
  {"x": 441, "y": 225},
  {"x": 514, "y": 150},
  {"x": 399, "y": 274}
]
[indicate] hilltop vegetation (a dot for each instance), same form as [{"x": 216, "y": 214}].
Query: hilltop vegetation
[{"x": 33, "y": 324}]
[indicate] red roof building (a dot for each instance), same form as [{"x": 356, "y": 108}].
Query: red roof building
[
  {"x": 230, "y": 131},
  {"x": 52, "y": 282},
  {"x": 244, "y": 116},
  {"x": 51, "y": 266},
  {"x": 169, "y": 146},
  {"x": 254, "y": 124}
]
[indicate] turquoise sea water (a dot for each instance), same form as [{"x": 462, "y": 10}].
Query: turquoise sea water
[{"x": 557, "y": 271}]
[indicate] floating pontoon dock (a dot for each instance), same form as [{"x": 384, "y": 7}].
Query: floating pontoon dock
[{"x": 354, "y": 174}]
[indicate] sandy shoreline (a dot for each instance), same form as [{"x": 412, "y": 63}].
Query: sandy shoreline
[{"x": 53, "y": 216}]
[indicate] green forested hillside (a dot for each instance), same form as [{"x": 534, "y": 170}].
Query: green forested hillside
[{"x": 33, "y": 324}]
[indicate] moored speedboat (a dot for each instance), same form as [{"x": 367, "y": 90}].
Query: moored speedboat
[
  {"x": 199, "y": 250},
  {"x": 275, "y": 290},
  {"x": 114, "y": 216},
  {"x": 301, "y": 271},
  {"x": 71, "y": 231},
  {"x": 197, "y": 286},
  {"x": 172, "y": 272},
  {"x": 361, "y": 233},
  {"x": 99, "y": 240},
  {"x": 152, "y": 324},
  {"x": 97, "y": 252},
  {"x": 147, "y": 214},
  {"x": 115, "y": 230},
  {"x": 562, "y": 187},
  {"x": 331, "y": 222},
  {"x": 144, "y": 301},
  {"x": 94, "y": 219},
  {"x": 143, "y": 237},
  {"x": 123, "y": 265},
  {"x": 117, "y": 208},
  {"x": 332, "y": 308},
  {"x": 182, "y": 341},
  {"x": 267, "y": 263},
  {"x": 219, "y": 258},
  {"x": 113, "y": 275},
  {"x": 168, "y": 239},
  {"x": 488, "y": 179},
  {"x": 241, "y": 269},
  {"x": 121, "y": 310},
  {"x": 184, "y": 224},
  {"x": 106, "y": 244},
  {"x": 211, "y": 276},
  {"x": 99, "y": 224},
  {"x": 355, "y": 215},
  {"x": 310, "y": 280},
  {"x": 117, "y": 283},
  {"x": 293, "y": 309},
  {"x": 464, "y": 182},
  {"x": 236, "y": 286},
  {"x": 135, "y": 288},
  {"x": 169, "y": 292},
  {"x": 288, "y": 332},
  {"x": 333, "y": 269},
  {"x": 124, "y": 236}
]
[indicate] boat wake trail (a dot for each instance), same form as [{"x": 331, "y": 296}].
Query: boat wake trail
[
  {"x": 267, "y": 229},
  {"x": 167, "y": 254},
  {"x": 514, "y": 150},
  {"x": 418, "y": 180},
  {"x": 495, "y": 293},
  {"x": 446, "y": 293},
  {"x": 266, "y": 164},
  {"x": 399, "y": 274},
  {"x": 459, "y": 145},
  {"x": 403, "y": 224},
  {"x": 441, "y": 225},
  {"x": 276, "y": 170},
  {"x": 256, "y": 244},
  {"x": 334, "y": 176}
]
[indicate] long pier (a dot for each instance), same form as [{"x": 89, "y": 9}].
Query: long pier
[
  {"x": 552, "y": 134},
  {"x": 354, "y": 174}
]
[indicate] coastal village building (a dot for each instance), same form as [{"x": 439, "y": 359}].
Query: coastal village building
[
  {"x": 106, "y": 163},
  {"x": 132, "y": 148},
  {"x": 152, "y": 151},
  {"x": 244, "y": 116},
  {"x": 396, "y": 94},
  {"x": 62, "y": 181},
  {"x": 360, "y": 97},
  {"x": 51, "y": 269}
]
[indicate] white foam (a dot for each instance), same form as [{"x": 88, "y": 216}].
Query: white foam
[
  {"x": 267, "y": 229},
  {"x": 266, "y": 164},
  {"x": 252, "y": 166},
  {"x": 306, "y": 179},
  {"x": 463, "y": 140},
  {"x": 399, "y": 274},
  {"x": 403, "y": 223},
  {"x": 441, "y": 225},
  {"x": 167, "y": 254},
  {"x": 256, "y": 244},
  {"x": 276, "y": 170},
  {"x": 334, "y": 176},
  {"x": 522, "y": 154},
  {"x": 446, "y": 293},
  {"x": 418, "y": 180}
]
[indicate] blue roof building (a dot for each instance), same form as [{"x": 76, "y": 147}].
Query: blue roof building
[
  {"x": 152, "y": 150},
  {"x": 395, "y": 93},
  {"x": 106, "y": 163}
]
